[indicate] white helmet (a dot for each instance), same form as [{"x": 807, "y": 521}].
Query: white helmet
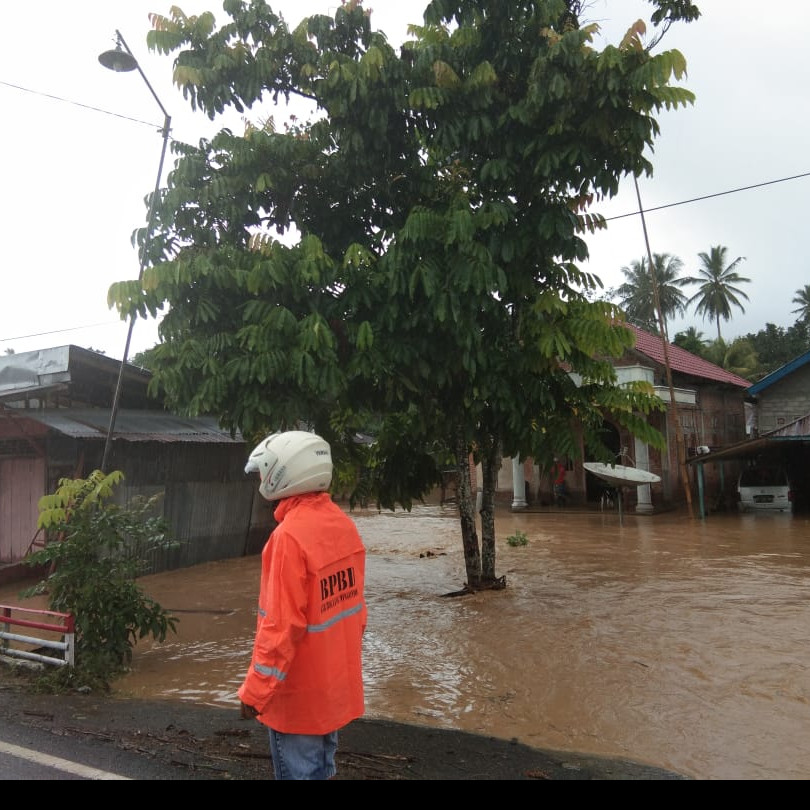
[{"x": 291, "y": 463}]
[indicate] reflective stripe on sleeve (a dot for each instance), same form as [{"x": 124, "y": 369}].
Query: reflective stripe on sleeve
[
  {"x": 272, "y": 672},
  {"x": 344, "y": 614}
]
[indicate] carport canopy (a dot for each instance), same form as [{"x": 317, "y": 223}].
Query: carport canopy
[{"x": 775, "y": 444}]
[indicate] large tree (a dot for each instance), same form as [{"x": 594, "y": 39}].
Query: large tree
[
  {"x": 776, "y": 345},
  {"x": 637, "y": 295},
  {"x": 440, "y": 194},
  {"x": 718, "y": 289}
]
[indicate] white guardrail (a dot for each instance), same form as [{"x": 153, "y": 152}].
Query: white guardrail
[{"x": 54, "y": 631}]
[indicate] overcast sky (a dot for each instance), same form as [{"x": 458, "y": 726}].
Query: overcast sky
[{"x": 80, "y": 147}]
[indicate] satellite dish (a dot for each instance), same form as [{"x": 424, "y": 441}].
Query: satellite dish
[{"x": 619, "y": 475}]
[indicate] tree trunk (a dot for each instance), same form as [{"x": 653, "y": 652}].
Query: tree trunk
[
  {"x": 466, "y": 511},
  {"x": 490, "y": 463}
]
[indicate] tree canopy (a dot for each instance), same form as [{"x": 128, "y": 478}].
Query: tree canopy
[
  {"x": 637, "y": 294},
  {"x": 407, "y": 258},
  {"x": 719, "y": 288},
  {"x": 692, "y": 340}
]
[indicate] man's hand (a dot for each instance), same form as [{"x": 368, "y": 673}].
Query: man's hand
[{"x": 248, "y": 712}]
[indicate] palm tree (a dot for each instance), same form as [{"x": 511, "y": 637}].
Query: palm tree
[
  {"x": 636, "y": 295},
  {"x": 717, "y": 291},
  {"x": 802, "y": 298},
  {"x": 740, "y": 357},
  {"x": 692, "y": 341}
]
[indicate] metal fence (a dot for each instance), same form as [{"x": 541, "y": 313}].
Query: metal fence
[{"x": 51, "y": 638}]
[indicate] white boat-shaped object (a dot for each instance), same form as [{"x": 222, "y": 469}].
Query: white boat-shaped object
[{"x": 619, "y": 475}]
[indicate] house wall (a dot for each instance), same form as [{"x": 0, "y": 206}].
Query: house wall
[
  {"x": 711, "y": 415},
  {"x": 206, "y": 497},
  {"x": 213, "y": 508},
  {"x": 720, "y": 423},
  {"x": 22, "y": 483},
  {"x": 783, "y": 402}
]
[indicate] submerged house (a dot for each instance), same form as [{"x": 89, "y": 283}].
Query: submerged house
[
  {"x": 709, "y": 412},
  {"x": 782, "y": 397},
  {"x": 780, "y": 430},
  {"x": 55, "y": 407}
]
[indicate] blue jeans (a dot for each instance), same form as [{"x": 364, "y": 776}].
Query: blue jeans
[{"x": 303, "y": 756}]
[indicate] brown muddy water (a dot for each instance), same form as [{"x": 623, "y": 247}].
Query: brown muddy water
[{"x": 676, "y": 642}]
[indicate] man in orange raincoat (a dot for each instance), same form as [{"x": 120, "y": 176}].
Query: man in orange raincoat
[{"x": 305, "y": 679}]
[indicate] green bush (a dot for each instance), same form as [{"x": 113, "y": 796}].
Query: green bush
[
  {"x": 95, "y": 551},
  {"x": 517, "y": 539}
]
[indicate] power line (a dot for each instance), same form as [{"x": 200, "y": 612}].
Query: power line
[
  {"x": 607, "y": 219},
  {"x": 709, "y": 196},
  {"x": 79, "y": 104},
  {"x": 59, "y": 331},
  {"x": 150, "y": 124}
]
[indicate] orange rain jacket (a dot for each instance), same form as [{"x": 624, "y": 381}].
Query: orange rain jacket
[{"x": 306, "y": 675}]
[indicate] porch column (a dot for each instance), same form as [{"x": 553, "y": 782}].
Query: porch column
[
  {"x": 643, "y": 495},
  {"x": 518, "y": 485}
]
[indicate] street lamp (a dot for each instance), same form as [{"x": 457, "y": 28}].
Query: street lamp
[{"x": 121, "y": 60}]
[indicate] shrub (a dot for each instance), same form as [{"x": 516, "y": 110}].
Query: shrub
[
  {"x": 517, "y": 539},
  {"x": 95, "y": 552}
]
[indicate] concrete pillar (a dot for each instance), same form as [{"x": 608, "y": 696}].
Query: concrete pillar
[
  {"x": 643, "y": 492},
  {"x": 518, "y": 485}
]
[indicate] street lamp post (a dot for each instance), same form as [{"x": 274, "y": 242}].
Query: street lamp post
[{"x": 121, "y": 60}]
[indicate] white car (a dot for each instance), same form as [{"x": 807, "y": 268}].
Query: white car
[{"x": 764, "y": 488}]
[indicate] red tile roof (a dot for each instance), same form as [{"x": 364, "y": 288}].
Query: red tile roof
[{"x": 682, "y": 361}]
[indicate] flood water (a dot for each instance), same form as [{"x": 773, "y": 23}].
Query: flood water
[{"x": 676, "y": 642}]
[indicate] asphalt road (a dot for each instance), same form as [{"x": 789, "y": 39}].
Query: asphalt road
[{"x": 68, "y": 737}]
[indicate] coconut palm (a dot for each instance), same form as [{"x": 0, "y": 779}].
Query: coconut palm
[
  {"x": 692, "y": 341},
  {"x": 718, "y": 291},
  {"x": 636, "y": 295},
  {"x": 802, "y": 298},
  {"x": 739, "y": 357}
]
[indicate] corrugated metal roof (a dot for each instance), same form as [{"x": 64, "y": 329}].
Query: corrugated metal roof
[
  {"x": 780, "y": 373},
  {"x": 796, "y": 431},
  {"x": 683, "y": 361},
  {"x": 86, "y": 375},
  {"x": 131, "y": 425},
  {"x": 21, "y": 374},
  {"x": 38, "y": 372},
  {"x": 33, "y": 364}
]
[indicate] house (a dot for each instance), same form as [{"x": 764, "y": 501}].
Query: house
[
  {"x": 783, "y": 396},
  {"x": 706, "y": 408},
  {"x": 780, "y": 408},
  {"x": 55, "y": 407}
]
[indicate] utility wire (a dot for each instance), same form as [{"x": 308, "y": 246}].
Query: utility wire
[
  {"x": 607, "y": 219},
  {"x": 79, "y": 104},
  {"x": 59, "y": 331},
  {"x": 93, "y": 109},
  {"x": 147, "y": 123},
  {"x": 707, "y": 196}
]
